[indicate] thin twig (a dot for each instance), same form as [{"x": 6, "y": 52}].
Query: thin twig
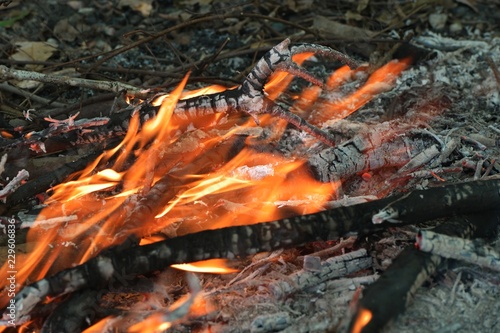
[
  {"x": 17, "y": 74},
  {"x": 8, "y": 88}
]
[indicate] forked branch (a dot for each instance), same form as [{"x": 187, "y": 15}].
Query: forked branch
[{"x": 250, "y": 96}]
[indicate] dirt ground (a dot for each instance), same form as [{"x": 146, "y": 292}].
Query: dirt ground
[{"x": 455, "y": 83}]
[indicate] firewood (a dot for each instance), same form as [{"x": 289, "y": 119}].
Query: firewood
[
  {"x": 250, "y": 97},
  {"x": 331, "y": 268}
]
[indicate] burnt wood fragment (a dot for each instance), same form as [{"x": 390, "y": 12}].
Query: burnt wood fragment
[{"x": 235, "y": 242}]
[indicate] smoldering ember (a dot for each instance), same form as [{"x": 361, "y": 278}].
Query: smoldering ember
[{"x": 342, "y": 180}]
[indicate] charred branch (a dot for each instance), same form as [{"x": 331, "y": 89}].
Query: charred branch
[
  {"x": 250, "y": 97},
  {"x": 234, "y": 242}
]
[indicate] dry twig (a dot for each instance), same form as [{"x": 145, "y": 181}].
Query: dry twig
[{"x": 117, "y": 87}]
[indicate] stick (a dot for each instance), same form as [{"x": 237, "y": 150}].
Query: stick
[
  {"x": 331, "y": 268},
  {"x": 250, "y": 97},
  {"x": 471, "y": 251},
  {"x": 15, "y": 183},
  {"x": 116, "y": 87},
  {"x": 408, "y": 272}
]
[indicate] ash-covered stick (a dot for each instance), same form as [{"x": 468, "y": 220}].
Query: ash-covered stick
[
  {"x": 233, "y": 242},
  {"x": 15, "y": 183},
  {"x": 472, "y": 251},
  {"x": 331, "y": 268}
]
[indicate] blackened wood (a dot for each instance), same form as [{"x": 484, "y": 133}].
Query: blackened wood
[
  {"x": 241, "y": 241},
  {"x": 43, "y": 183},
  {"x": 394, "y": 290},
  {"x": 73, "y": 313}
]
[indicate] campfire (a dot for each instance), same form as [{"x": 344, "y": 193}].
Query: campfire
[{"x": 230, "y": 173}]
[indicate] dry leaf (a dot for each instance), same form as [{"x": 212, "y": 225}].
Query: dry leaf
[
  {"x": 76, "y": 5},
  {"x": 299, "y": 5},
  {"x": 37, "y": 51},
  {"x": 470, "y": 3},
  {"x": 32, "y": 51},
  {"x": 332, "y": 29},
  {"x": 143, "y": 6},
  {"x": 362, "y": 5}
]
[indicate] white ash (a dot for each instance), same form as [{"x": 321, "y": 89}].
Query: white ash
[{"x": 257, "y": 172}]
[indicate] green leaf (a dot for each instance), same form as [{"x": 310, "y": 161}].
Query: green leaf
[{"x": 10, "y": 22}]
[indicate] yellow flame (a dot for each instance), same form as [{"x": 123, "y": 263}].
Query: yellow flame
[
  {"x": 213, "y": 187},
  {"x": 214, "y": 266}
]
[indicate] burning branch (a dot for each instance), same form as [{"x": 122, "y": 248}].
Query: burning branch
[
  {"x": 232, "y": 242},
  {"x": 250, "y": 97}
]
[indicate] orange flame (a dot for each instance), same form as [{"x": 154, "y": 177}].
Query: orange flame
[
  {"x": 215, "y": 266},
  {"x": 199, "y": 184},
  {"x": 363, "y": 317}
]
